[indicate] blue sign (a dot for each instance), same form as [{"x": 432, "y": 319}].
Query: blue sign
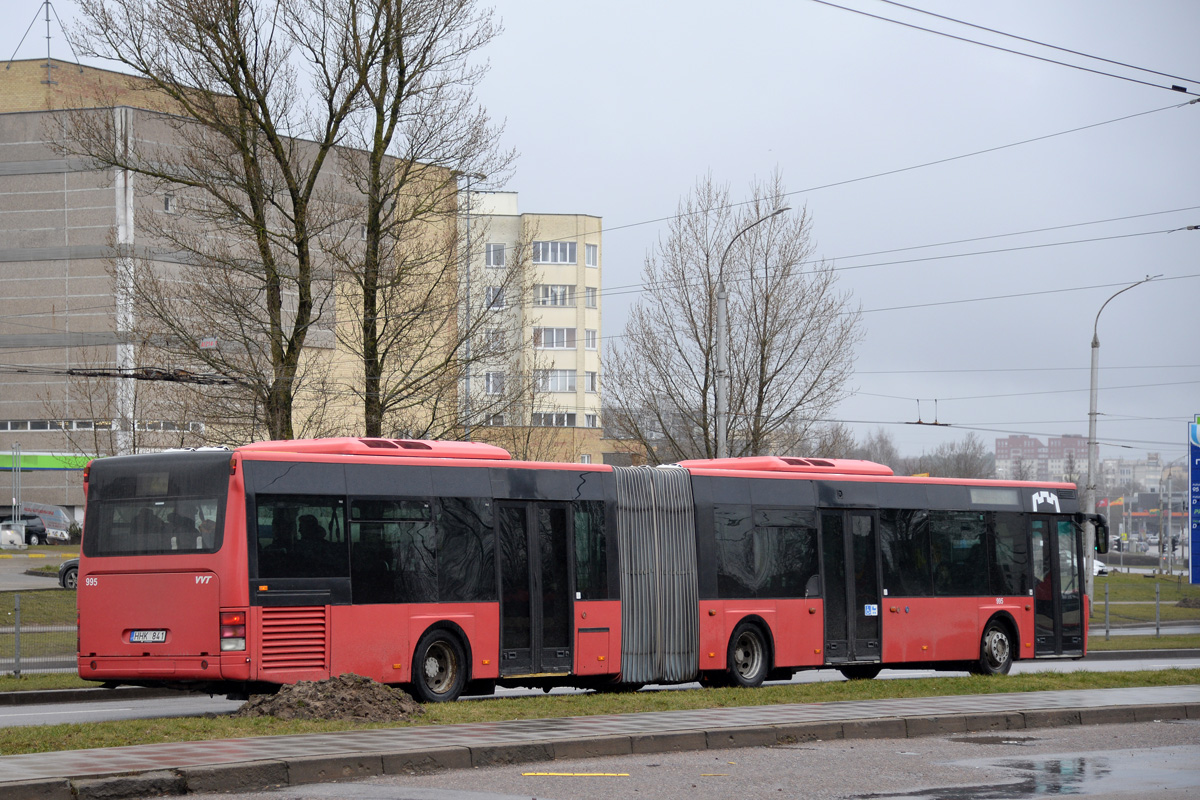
[{"x": 1194, "y": 495}]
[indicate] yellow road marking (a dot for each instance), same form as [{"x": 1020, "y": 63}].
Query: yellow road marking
[{"x": 576, "y": 774}]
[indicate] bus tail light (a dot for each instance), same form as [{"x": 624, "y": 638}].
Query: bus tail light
[{"x": 233, "y": 630}]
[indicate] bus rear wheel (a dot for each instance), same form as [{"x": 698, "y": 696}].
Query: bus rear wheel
[
  {"x": 749, "y": 657},
  {"x": 995, "y": 651},
  {"x": 439, "y": 667},
  {"x": 860, "y": 672}
]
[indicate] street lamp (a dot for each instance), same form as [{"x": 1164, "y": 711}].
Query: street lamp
[
  {"x": 723, "y": 339},
  {"x": 1093, "y": 446}
]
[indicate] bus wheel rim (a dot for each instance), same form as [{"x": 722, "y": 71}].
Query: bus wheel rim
[
  {"x": 996, "y": 648},
  {"x": 440, "y": 667},
  {"x": 747, "y": 655}
]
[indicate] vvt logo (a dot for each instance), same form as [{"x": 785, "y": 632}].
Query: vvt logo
[
  {"x": 203, "y": 578},
  {"x": 1045, "y": 498}
]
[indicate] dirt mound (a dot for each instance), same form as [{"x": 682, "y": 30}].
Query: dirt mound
[
  {"x": 349, "y": 696},
  {"x": 1189, "y": 602}
]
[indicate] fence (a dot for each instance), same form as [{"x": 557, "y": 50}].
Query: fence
[{"x": 38, "y": 633}]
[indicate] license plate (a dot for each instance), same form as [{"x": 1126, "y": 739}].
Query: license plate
[{"x": 147, "y": 636}]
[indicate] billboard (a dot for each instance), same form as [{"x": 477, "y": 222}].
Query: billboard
[{"x": 1194, "y": 498}]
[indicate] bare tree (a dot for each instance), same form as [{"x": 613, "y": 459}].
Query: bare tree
[
  {"x": 257, "y": 93},
  {"x": 880, "y": 447},
  {"x": 792, "y": 333},
  {"x": 417, "y": 131},
  {"x": 93, "y": 421},
  {"x": 968, "y": 458}
]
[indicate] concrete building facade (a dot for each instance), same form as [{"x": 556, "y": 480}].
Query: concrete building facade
[
  {"x": 559, "y": 320},
  {"x": 1060, "y": 458}
]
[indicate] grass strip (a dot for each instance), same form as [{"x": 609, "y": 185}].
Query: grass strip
[{"x": 80, "y": 736}]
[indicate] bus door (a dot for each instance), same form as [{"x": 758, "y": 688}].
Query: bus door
[
  {"x": 535, "y": 601},
  {"x": 850, "y": 583},
  {"x": 1058, "y": 588}
]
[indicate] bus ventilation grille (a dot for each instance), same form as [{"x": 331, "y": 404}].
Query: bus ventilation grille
[
  {"x": 1066, "y": 494},
  {"x": 294, "y": 639}
]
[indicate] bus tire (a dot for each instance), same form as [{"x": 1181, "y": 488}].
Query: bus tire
[
  {"x": 749, "y": 657},
  {"x": 995, "y": 650},
  {"x": 860, "y": 672},
  {"x": 439, "y": 667}
]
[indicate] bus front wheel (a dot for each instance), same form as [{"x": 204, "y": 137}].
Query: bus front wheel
[
  {"x": 995, "y": 650},
  {"x": 439, "y": 667},
  {"x": 749, "y": 656}
]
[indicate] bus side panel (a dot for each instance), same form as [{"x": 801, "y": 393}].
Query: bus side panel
[
  {"x": 1014, "y": 607},
  {"x": 796, "y": 633},
  {"x": 908, "y": 629},
  {"x": 919, "y": 629},
  {"x": 372, "y": 641},
  {"x": 480, "y": 623},
  {"x": 800, "y": 633},
  {"x": 597, "y": 637}
]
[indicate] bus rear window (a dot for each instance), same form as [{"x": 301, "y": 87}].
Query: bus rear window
[{"x": 156, "y": 504}]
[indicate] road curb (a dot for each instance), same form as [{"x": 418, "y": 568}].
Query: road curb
[
  {"x": 257, "y": 775},
  {"x": 1133, "y": 655}
]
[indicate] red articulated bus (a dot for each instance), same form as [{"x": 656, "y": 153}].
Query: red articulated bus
[{"x": 449, "y": 568}]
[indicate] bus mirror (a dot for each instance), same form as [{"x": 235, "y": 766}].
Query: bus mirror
[{"x": 1101, "y": 523}]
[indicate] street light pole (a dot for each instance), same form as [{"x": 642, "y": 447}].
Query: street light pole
[
  {"x": 1093, "y": 446},
  {"x": 723, "y": 340}
]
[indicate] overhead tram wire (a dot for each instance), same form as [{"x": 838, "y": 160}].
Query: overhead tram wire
[
  {"x": 899, "y": 170},
  {"x": 1040, "y": 43},
  {"x": 634, "y": 288},
  {"x": 1178, "y": 89}
]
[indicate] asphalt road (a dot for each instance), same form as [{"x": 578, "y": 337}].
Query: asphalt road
[
  {"x": 12, "y": 570},
  {"x": 189, "y": 705},
  {"x": 1136, "y": 760}
]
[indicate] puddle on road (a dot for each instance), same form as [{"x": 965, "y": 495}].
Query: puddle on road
[
  {"x": 1133, "y": 772},
  {"x": 1055, "y": 776},
  {"x": 1017, "y": 740}
]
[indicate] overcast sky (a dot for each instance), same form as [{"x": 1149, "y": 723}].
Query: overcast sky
[{"x": 618, "y": 107}]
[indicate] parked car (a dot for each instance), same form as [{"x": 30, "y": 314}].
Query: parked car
[
  {"x": 35, "y": 529},
  {"x": 68, "y": 573}
]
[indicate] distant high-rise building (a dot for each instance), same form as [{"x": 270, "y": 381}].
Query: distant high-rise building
[{"x": 1027, "y": 458}]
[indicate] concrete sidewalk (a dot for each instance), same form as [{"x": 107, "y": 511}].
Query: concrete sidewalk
[{"x": 242, "y": 764}]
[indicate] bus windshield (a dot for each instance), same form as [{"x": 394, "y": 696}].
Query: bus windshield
[{"x": 156, "y": 505}]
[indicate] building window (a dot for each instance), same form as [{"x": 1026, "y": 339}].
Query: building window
[
  {"x": 554, "y": 338},
  {"x": 591, "y": 255},
  {"x": 591, "y": 382},
  {"x": 169, "y": 204},
  {"x": 494, "y": 255},
  {"x": 552, "y": 420},
  {"x": 496, "y": 420},
  {"x": 591, "y": 295},
  {"x": 556, "y": 295},
  {"x": 590, "y": 339},
  {"x": 493, "y": 340},
  {"x": 494, "y": 382},
  {"x": 495, "y": 297},
  {"x": 586, "y": 458},
  {"x": 554, "y": 253},
  {"x": 591, "y": 420},
  {"x": 555, "y": 380}
]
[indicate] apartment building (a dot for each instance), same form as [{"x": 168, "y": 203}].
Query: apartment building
[
  {"x": 557, "y": 319},
  {"x": 1028, "y": 458}
]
